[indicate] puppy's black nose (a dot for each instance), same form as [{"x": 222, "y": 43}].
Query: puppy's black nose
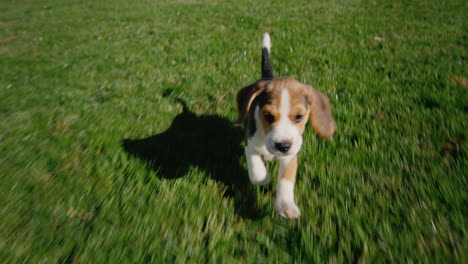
[{"x": 283, "y": 146}]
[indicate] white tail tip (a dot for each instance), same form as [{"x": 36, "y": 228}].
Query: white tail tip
[{"x": 266, "y": 41}]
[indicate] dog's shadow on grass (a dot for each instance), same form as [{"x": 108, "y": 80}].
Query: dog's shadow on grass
[{"x": 209, "y": 142}]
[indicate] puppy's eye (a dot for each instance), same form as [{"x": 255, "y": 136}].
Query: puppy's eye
[
  {"x": 269, "y": 117},
  {"x": 298, "y": 118}
]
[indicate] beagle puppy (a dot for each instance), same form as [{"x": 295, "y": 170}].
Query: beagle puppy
[{"x": 274, "y": 112}]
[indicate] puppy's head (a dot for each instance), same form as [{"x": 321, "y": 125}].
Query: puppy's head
[{"x": 281, "y": 108}]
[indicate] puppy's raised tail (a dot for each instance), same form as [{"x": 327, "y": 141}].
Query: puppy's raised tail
[{"x": 267, "y": 72}]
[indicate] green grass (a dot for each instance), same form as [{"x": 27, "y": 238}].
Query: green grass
[{"x": 96, "y": 168}]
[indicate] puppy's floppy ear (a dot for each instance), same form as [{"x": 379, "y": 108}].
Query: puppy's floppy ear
[
  {"x": 245, "y": 97},
  {"x": 320, "y": 112}
]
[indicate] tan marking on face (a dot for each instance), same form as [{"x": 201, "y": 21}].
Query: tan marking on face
[
  {"x": 290, "y": 172},
  {"x": 298, "y": 106},
  {"x": 273, "y": 101},
  {"x": 270, "y": 111}
]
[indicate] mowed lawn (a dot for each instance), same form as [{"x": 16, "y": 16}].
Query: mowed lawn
[{"x": 116, "y": 144}]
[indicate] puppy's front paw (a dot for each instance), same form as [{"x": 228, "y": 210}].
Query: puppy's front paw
[
  {"x": 257, "y": 171},
  {"x": 287, "y": 209},
  {"x": 260, "y": 178}
]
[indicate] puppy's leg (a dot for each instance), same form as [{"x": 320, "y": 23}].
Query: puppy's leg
[
  {"x": 257, "y": 171},
  {"x": 284, "y": 204}
]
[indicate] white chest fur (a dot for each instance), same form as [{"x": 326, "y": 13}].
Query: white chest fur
[{"x": 258, "y": 146}]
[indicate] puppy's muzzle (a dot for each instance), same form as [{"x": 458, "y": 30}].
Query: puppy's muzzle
[{"x": 283, "y": 146}]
